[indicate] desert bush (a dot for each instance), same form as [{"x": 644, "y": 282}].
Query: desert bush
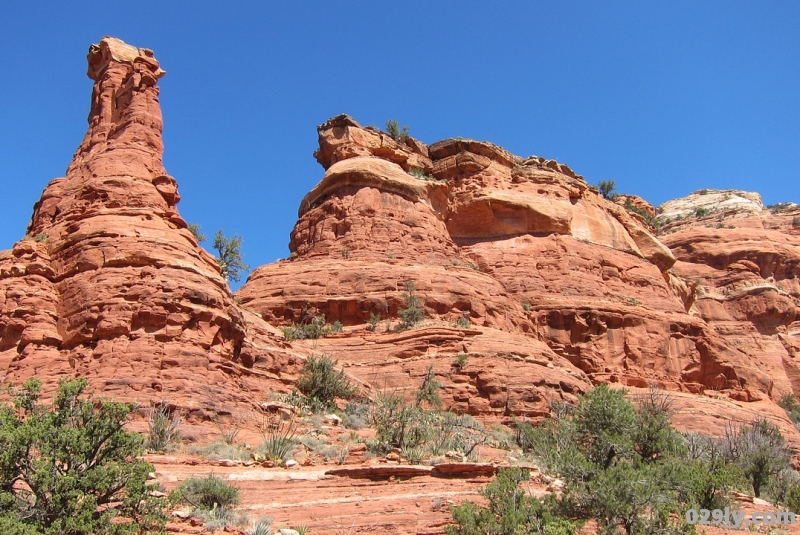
[
  {"x": 229, "y": 429},
  {"x": 429, "y": 390},
  {"x": 394, "y": 130},
  {"x": 758, "y": 449},
  {"x": 210, "y": 492},
  {"x": 796, "y": 222},
  {"x": 219, "y": 450},
  {"x": 162, "y": 427},
  {"x": 262, "y": 526},
  {"x": 229, "y": 256},
  {"x": 62, "y": 465},
  {"x": 314, "y": 328},
  {"x": 373, "y": 321},
  {"x": 461, "y": 361},
  {"x": 413, "y": 312},
  {"x": 397, "y": 423},
  {"x": 194, "y": 228},
  {"x": 279, "y": 440},
  {"x": 320, "y": 381},
  {"x": 700, "y": 211},
  {"x": 606, "y": 188},
  {"x": 356, "y": 414},
  {"x": 788, "y": 402},
  {"x": 510, "y": 510},
  {"x": 625, "y": 466}
]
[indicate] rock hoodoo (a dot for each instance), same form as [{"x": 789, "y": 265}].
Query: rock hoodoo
[{"x": 110, "y": 284}]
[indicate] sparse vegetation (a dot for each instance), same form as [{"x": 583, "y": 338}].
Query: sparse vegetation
[
  {"x": 606, "y": 188},
  {"x": 703, "y": 191},
  {"x": 429, "y": 390},
  {"x": 374, "y": 319},
  {"x": 469, "y": 265},
  {"x": 279, "y": 440},
  {"x": 229, "y": 256},
  {"x": 796, "y": 222},
  {"x": 345, "y": 253},
  {"x": 63, "y": 465},
  {"x": 789, "y": 403},
  {"x": 463, "y": 322},
  {"x": 526, "y": 307},
  {"x": 41, "y": 237},
  {"x": 162, "y": 426},
  {"x": 320, "y": 381},
  {"x": 394, "y": 130},
  {"x": 314, "y": 327},
  {"x": 461, "y": 361},
  {"x": 700, "y": 211},
  {"x": 414, "y": 312},
  {"x": 208, "y": 493},
  {"x": 194, "y": 228}
]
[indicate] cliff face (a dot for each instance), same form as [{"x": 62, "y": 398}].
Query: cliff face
[
  {"x": 110, "y": 284},
  {"x": 561, "y": 287},
  {"x": 534, "y": 286}
]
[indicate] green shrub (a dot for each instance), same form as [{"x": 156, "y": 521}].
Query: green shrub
[
  {"x": 703, "y": 192},
  {"x": 210, "y": 492},
  {"x": 796, "y": 222},
  {"x": 700, "y": 211},
  {"x": 461, "y": 361},
  {"x": 279, "y": 440},
  {"x": 793, "y": 499},
  {"x": 606, "y": 188},
  {"x": 62, "y": 465},
  {"x": 788, "y": 402},
  {"x": 758, "y": 449},
  {"x": 41, "y": 237},
  {"x": 163, "y": 427},
  {"x": 394, "y": 130},
  {"x": 510, "y": 511},
  {"x": 194, "y": 228},
  {"x": 429, "y": 390},
  {"x": 229, "y": 256},
  {"x": 373, "y": 321},
  {"x": 413, "y": 312},
  {"x": 320, "y": 381},
  {"x": 463, "y": 322},
  {"x": 314, "y": 328}
]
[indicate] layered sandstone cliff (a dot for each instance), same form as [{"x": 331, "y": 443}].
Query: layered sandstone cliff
[
  {"x": 110, "y": 284},
  {"x": 561, "y": 287},
  {"x": 534, "y": 286}
]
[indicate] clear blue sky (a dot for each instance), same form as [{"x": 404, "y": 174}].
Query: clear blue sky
[{"x": 664, "y": 97}]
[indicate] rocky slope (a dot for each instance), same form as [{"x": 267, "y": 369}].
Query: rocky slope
[{"x": 109, "y": 283}]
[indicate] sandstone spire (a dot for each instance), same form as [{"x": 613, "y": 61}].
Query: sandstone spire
[{"x": 110, "y": 284}]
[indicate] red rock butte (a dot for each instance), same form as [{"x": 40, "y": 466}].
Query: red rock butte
[{"x": 543, "y": 284}]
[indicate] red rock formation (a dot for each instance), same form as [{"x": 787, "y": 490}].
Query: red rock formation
[
  {"x": 110, "y": 284},
  {"x": 561, "y": 287}
]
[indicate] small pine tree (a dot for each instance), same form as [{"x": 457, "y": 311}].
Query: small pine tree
[
  {"x": 394, "y": 130},
  {"x": 229, "y": 256},
  {"x": 194, "y": 228},
  {"x": 606, "y": 188},
  {"x": 414, "y": 312},
  {"x": 320, "y": 381}
]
